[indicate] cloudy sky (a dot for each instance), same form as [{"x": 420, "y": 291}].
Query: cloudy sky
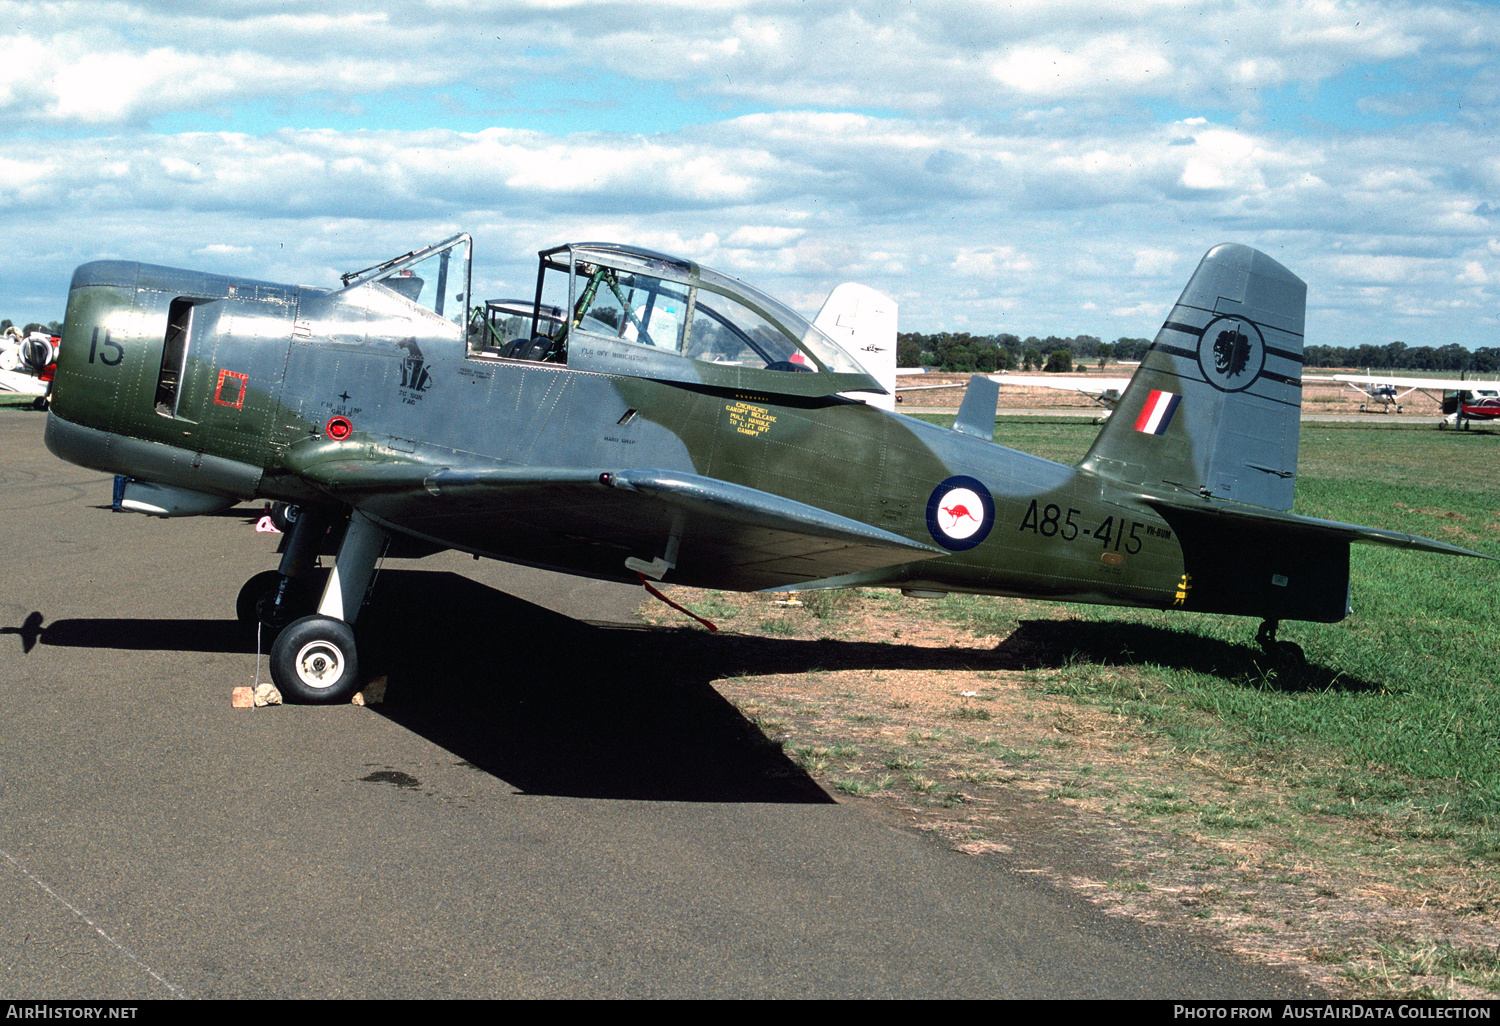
[{"x": 1039, "y": 166}]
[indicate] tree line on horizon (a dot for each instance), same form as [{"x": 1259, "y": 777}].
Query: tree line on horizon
[
  {"x": 53, "y": 326},
  {"x": 963, "y": 353}
]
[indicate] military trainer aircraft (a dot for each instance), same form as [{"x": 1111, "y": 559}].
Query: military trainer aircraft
[{"x": 655, "y": 419}]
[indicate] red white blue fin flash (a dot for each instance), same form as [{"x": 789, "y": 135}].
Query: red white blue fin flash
[{"x": 1157, "y": 413}]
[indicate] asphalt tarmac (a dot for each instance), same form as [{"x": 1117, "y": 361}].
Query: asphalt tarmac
[{"x": 553, "y": 802}]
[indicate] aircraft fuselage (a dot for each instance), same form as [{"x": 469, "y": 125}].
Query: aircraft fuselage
[{"x": 213, "y": 384}]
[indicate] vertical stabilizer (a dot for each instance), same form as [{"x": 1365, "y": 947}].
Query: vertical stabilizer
[
  {"x": 863, "y": 321},
  {"x": 1214, "y": 408},
  {"x": 977, "y": 414}
]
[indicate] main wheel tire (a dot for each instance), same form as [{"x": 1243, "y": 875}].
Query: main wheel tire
[
  {"x": 256, "y": 601},
  {"x": 314, "y": 661},
  {"x": 1291, "y": 662}
]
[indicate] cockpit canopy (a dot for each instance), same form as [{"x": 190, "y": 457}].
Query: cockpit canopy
[
  {"x": 648, "y": 315},
  {"x": 617, "y": 310}
]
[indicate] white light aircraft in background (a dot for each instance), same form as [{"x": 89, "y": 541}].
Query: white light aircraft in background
[
  {"x": 1460, "y": 399},
  {"x": 1104, "y": 391}
]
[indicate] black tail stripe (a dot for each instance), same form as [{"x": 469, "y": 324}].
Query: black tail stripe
[
  {"x": 1198, "y": 379},
  {"x": 1186, "y": 329},
  {"x": 1285, "y": 354},
  {"x": 1284, "y": 379}
]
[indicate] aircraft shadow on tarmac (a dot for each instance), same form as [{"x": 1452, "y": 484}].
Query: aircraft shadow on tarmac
[
  {"x": 134, "y": 634},
  {"x": 557, "y": 706}
]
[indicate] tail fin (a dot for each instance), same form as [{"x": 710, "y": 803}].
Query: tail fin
[
  {"x": 1215, "y": 407},
  {"x": 863, "y": 321}
]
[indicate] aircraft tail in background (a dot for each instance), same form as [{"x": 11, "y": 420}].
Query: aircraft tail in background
[{"x": 863, "y": 321}]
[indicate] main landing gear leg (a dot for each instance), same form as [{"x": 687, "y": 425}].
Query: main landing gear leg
[
  {"x": 274, "y": 598},
  {"x": 314, "y": 659},
  {"x": 1285, "y": 657}
]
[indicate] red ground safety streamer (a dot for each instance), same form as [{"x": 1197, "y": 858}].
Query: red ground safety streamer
[{"x": 647, "y": 585}]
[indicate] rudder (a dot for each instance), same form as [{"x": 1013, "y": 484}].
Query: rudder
[{"x": 863, "y": 321}]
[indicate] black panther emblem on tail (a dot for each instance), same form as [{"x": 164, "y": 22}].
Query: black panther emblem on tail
[{"x": 1231, "y": 353}]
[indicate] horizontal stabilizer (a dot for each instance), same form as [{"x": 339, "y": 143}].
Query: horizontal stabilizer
[
  {"x": 1230, "y": 517},
  {"x": 1277, "y": 566}
]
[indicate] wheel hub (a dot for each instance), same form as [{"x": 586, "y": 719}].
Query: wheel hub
[{"x": 320, "y": 664}]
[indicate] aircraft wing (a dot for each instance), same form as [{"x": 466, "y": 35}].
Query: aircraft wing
[
  {"x": 26, "y": 384},
  {"x": 1106, "y": 391},
  {"x": 1436, "y": 384},
  {"x": 929, "y": 388},
  {"x": 601, "y": 517},
  {"x": 902, "y": 372},
  {"x": 1088, "y": 386}
]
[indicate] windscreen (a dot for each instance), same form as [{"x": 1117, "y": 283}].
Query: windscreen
[{"x": 438, "y": 282}]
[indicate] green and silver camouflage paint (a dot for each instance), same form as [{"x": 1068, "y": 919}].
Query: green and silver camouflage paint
[{"x": 741, "y": 476}]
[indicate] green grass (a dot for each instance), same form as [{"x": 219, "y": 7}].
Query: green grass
[
  {"x": 1404, "y": 694},
  {"x": 831, "y": 604},
  {"x": 1401, "y": 960}
]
